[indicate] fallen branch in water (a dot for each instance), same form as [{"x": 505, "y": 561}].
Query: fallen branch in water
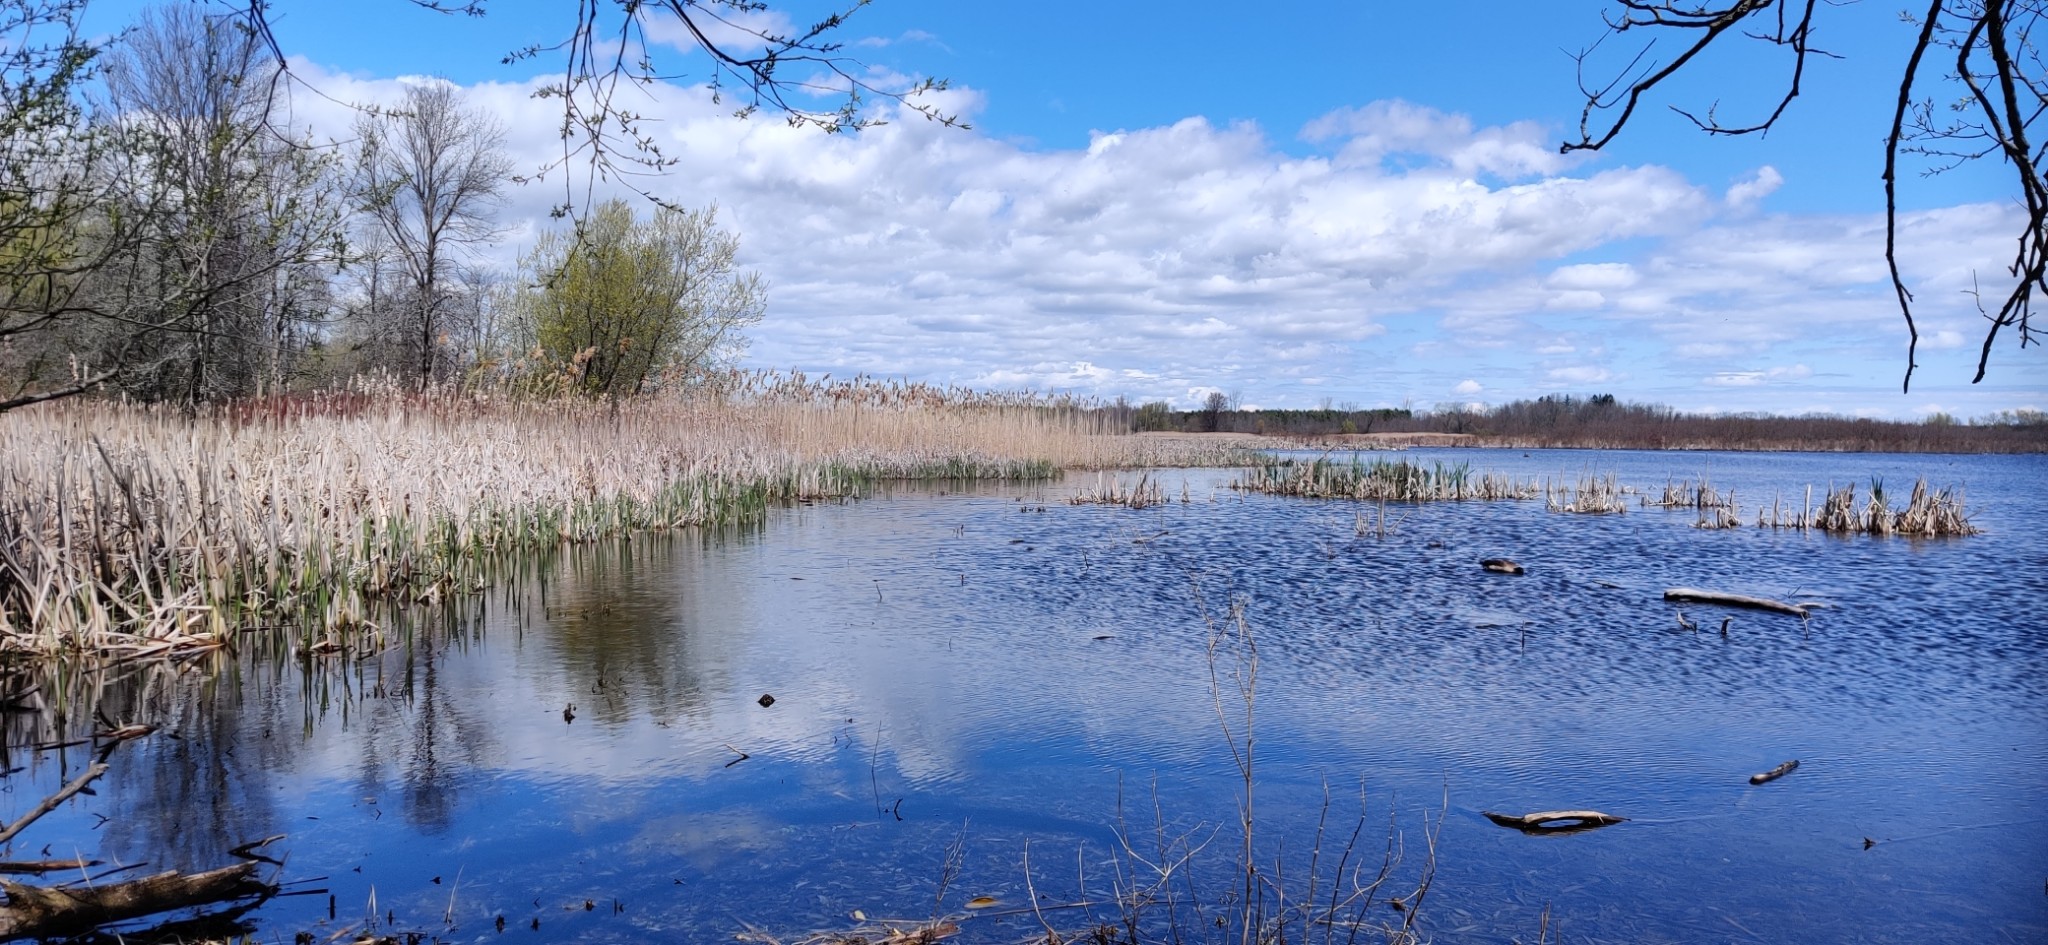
[
  {"x": 45, "y": 866},
  {"x": 1554, "y": 821},
  {"x": 1691, "y": 595},
  {"x": 1775, "y": 773},
  {"x": 50, "y": 803},
  {"x": 34, "y": 911}
]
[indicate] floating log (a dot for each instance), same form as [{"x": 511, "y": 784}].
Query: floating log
[
  {"x": 1501, "y": 565},
  {"x": 1554, "y": 821},
  {"x": 36, "y": 911},
  {"x": 1690, "y": 595},
  {"x": 1775, "y": 773}
]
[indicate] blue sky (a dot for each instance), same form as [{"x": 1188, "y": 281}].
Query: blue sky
[{"x": 1359, "y": 202}]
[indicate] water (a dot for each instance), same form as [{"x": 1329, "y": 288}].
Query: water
[{"x": 967, "y": 671}]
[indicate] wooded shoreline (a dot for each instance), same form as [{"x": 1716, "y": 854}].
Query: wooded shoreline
[{"x": 1425, "y": 440}]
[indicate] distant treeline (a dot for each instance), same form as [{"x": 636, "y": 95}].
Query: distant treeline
[{"x": 1602, "y": 422}]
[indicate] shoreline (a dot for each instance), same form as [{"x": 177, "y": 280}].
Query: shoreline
[{"x": 1398, "y": 441}]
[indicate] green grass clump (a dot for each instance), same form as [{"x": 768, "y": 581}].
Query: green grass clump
[{"x": 1381, "y": 481}]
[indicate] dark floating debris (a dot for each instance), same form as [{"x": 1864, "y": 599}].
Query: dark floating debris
[
  {"x": 1775, "y": 773},
  {"x": 569, "y": 713},
  {"x": 1554, "y": 821},
  {"x": 766, "y": 700},
  {"x": 1501, "y": 565}
]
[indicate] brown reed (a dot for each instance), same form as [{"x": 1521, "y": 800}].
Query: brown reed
[
  {"x": 1686, "y": 494},
  {"x": 1928, "y": 513},
  {"x": 1142, "y": 493},
  {"x": 127, "y": 529},
  {"x": 1380, "y": 480},
  {"x": 1591, "y": 495}
]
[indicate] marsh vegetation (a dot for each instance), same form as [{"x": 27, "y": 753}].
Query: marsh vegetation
[{"x": 128, "y": 529}]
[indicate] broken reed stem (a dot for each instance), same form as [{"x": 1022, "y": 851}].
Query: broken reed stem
[{"x": 133, "y": 530}]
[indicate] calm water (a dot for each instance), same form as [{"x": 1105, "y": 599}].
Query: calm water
[{"x": 966, "y": 669}]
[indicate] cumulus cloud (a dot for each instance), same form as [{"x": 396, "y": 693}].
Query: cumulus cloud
[
  {"x": 1468, "y": 387},
  {"x": 1164, "y": 262},
  {"x": 1394, "y": 131},
  {"x": 1750, "y": 191}
]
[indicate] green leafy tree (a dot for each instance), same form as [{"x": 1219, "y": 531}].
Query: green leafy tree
[
  {"x": 238, "y": 221},
  {"x": 635, "y": 301},
  {"x": 48, "y": 197}
]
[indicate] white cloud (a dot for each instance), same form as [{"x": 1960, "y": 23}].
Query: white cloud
[
  {"x": 1167, "y": 261},
  {"x": 1580, "y": 374},
  {"x": 1393, "y": 130},
  {"x": 1792, "y": 372},
  {"x": 1750, "y": 191},
  {"x": 1468, "y": 387}
]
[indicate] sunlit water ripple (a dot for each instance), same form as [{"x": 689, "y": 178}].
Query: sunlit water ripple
[{"x": 1001, "y": 666}]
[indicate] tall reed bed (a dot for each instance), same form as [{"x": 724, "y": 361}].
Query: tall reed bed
[
  {"x": 1381, "y": 480},
  {"x": 126, "y": 529},
  {"x": 1929, "y": 513}
]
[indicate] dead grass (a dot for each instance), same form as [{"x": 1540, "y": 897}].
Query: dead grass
[
  {"x": 1380, "y": 480},
  {"x": 127, "y": 530}
]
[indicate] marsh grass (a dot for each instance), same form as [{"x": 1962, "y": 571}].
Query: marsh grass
[
  {"x": 1381, "y": 480},
  {"x": 1142, "y": 493},
  {"x": 1928, "y": 513},
  {"x": 1591, "y": 495},
  {"x": 134, "y": 531},
  {"x": 1686, "y": 494}
]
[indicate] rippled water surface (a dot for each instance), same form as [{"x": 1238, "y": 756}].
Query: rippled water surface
[{"x": 997, "y": 669}]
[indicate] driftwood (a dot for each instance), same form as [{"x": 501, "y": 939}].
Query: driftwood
[
  {"x": 36, "y": 911},
  {"x": 45, "y": 866},
  {"x": 1501, "y": 565},
  {"x": 1554, "y": 821},
  {"x": 50, "y": 803},
  {"x": 1695, "y": 596},
  {"x": 1775, "y": 773}
]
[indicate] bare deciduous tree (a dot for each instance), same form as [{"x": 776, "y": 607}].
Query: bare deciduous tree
[
  {"x": 1973, "y": 87},
  {"x": 606, "y": 52},
  {"x": 238, "y": 218},
  {"x": 431, "y": 174}
]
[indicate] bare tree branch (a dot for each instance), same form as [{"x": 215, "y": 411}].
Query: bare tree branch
[{"x": 1996, "y": 62}]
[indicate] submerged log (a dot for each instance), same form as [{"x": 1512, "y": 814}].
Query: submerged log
[
  {"x": 1554, "y": 821},
  {"x": 45, "y": 866},
  {"x": 1690, "y": 595},
  {"x": 1501, "y": 565},
  {"x": 38, "y": 911},
  {"x": 1775, "y": 773}
]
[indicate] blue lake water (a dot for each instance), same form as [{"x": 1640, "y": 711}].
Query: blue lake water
[{"x": 994, "y": 670}]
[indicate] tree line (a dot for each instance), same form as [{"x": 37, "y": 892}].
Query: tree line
[
  {"x": 1602, "y": 422},
  {"x": 167, "y": 235}
]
